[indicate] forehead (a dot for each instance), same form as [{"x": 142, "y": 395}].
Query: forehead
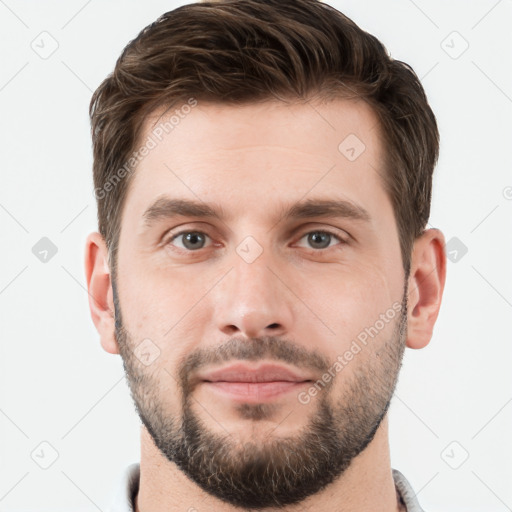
[
  {"x": 312, "y": 125},
  {"x": 265, "y": 150}
]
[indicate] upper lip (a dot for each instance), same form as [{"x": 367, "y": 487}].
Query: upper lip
[{"x": 242, "y": 372}]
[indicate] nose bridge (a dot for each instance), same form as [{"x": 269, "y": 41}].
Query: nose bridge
[{"x": 252, "y": 300}]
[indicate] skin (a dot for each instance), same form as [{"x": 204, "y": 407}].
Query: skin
[{"x": 254, "y": 161}]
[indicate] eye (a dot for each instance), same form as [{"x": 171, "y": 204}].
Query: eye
[
  {"x": 191, "y": 240},
  {"x": 195, "y": 240},
  {"x": 321, "y": 239}
]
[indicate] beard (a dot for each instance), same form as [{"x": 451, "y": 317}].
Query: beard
[{"x": 276, "y": 471}]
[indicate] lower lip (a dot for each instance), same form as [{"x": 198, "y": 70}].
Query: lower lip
[{"x": 254, "y": 392}]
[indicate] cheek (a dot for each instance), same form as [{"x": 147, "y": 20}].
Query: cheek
[
  {"x": 157, "y": 303},
  {"x": 169, "y": 315},
  {"x": 350, "y": 301}
]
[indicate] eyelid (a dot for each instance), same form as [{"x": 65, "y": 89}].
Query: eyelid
[{"x": 341, "y": 235}]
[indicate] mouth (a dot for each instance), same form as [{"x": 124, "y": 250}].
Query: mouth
[{"x": 248, "y": 384}]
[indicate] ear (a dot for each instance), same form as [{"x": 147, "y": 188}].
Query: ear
[
  {"x": 99, "y": 285},
  {"x": 426, "y": 285}
]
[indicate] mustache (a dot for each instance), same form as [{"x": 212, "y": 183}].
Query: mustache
[{"x": 251, "y": 349}]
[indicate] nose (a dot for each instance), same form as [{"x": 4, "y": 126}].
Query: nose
[{"x": 253, "y": 300}]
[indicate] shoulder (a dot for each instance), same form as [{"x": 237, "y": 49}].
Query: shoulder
[
  {"x": 406, "y": 492},
  {"x": 125, "y": 489}
]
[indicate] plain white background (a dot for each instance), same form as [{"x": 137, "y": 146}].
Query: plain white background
[{"x": 451, "y": 417}]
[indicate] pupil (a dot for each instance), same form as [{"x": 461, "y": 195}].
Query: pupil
[
  {"x": 192, "y": 238},
  {"x": 320, "y": 235}
]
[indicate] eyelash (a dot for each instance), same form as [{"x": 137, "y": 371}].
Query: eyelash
[{"x": 322, "y": 231}]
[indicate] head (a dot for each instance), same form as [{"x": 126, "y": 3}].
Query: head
[{"x": 256, "y": 130}]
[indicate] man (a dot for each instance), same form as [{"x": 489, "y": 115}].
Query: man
[{"x": 285, "y": 144}]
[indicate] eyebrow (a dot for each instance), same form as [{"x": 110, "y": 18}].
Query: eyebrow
[{"x": 168, "y": 208}]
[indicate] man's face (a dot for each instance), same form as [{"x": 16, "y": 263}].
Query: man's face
[{"x": 320, "y": 293}]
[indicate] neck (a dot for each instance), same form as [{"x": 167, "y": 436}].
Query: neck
[{"x": 366, "y": 485}]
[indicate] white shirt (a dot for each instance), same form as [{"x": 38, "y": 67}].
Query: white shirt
[{"x": 128, "y": 487}]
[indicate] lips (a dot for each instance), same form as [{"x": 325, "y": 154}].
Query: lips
[{"x": 242, "y": 372}]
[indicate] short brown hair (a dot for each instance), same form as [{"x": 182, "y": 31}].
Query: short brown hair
[{"x": 243, "y": 51}]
